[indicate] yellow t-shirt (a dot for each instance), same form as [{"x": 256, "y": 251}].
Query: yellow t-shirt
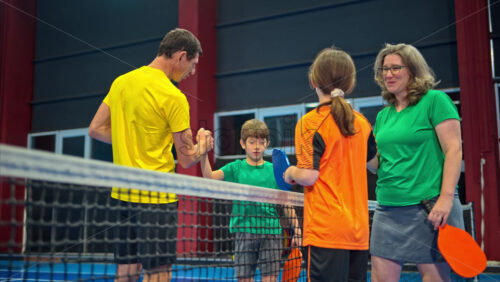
[{"x": 146, "y": 108}]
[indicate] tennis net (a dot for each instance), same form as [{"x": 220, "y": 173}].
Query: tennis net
[{"x": 59, "y": 223}]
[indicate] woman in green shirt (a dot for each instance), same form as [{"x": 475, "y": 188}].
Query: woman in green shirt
[{"x": 419, "y": 145}]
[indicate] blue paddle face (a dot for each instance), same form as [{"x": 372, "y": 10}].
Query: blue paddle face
[{"x": 280, "y": 164}]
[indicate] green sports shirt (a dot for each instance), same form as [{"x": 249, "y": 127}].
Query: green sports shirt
[
  {"x": 252, "y": 217},
  {"x": 411, "y": 160}
]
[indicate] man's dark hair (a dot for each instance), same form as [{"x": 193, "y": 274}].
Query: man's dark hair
[{"x": 180, "y": 40}]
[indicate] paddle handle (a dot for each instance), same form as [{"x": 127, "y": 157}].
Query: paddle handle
[{"x": 427, "y": 205}]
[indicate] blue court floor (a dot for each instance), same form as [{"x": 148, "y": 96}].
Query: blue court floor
[{"x": 20, "y": 271}]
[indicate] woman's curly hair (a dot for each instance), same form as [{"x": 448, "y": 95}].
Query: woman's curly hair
[{"x": 422, "y": 77}]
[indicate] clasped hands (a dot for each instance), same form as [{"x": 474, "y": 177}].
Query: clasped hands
[{"x": 205, "y": 141}]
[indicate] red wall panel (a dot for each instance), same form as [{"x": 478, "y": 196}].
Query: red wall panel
[
  {"x": 17, "y": 51},
  {"x": 199, "y": 17},
  {"x": 479, "y": 125}
]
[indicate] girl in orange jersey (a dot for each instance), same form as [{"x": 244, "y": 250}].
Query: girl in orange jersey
[{"x": 331, "y": 147}]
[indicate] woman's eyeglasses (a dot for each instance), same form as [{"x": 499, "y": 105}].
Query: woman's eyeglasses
[{"x": 394, "y": 69}]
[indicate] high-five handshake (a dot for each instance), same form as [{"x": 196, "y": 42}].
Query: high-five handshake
[
  {"x": 188, "y": 153},
  {"x": 204, "y": 140}
]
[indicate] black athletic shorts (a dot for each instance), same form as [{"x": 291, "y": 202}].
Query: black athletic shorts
[
  {"x": 336, "y": 265},
  {"x": 145, "y": 233}
]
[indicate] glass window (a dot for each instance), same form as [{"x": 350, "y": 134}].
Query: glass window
[
  {"x": 281, "y": 122},
  {"x": 43, "y": 142},
  {"x": 495, "y": 42},
  {"x": 281, "y": 130},
  {"x": 74, "y": 146},
  {"x": 370, "y": 112},
  {"x": 497, "y": 96},
  {"x": 454, "y": 94},
  {"x": 227, "y": 135},
  {"x": 310, "y": 106},
  {"x": 369, "y": 107},
  {"x": 74, "y": 142},
  {"x": 101, "y": 151}
]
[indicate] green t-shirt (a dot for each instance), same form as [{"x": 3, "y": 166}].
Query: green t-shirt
[
  {"x": 411, "y": 160},
  {"x": 252, "y": 217}
]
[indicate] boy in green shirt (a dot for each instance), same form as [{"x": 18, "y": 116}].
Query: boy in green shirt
[{"x": 256, "y": 226}]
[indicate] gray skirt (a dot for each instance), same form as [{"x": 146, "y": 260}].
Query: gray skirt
[{"x": 404, "y": 234}]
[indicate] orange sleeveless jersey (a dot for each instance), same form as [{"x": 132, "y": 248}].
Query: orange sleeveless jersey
[{"x": 336, "y": 206}]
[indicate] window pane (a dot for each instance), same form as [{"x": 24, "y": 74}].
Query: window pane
[
  {"x": 309, "y": 108},
  {"x": 101, "y": 151},
  {"x": 496, "y": 57},
  {"x": 498, "y": 111},
  {"x": 455, "y": 97},
  {"x": 228, "y": 140},
  {"x": 45, "y": 142},
  {"x": 371, "y": 112},
  {"x": 281, "y": 130},
  {"x": 74, "y": 146}
]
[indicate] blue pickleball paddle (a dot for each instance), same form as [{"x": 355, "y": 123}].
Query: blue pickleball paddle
[
  {"x": 292, "y": 267},
  {"x": 280, "y": 164}
]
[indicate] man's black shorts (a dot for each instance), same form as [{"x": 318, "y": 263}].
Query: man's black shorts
[{"x": 145, "y": 233}]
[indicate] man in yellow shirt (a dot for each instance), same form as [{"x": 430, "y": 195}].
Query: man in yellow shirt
[{"x": 142, "y": 116}]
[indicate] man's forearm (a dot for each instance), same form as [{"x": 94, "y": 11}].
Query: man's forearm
[{"x": 189, "y": 157}]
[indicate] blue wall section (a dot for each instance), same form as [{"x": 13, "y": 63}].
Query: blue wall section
[
  {"x": 81, "y": 46},
  {"x": 266, "y": 47}
]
